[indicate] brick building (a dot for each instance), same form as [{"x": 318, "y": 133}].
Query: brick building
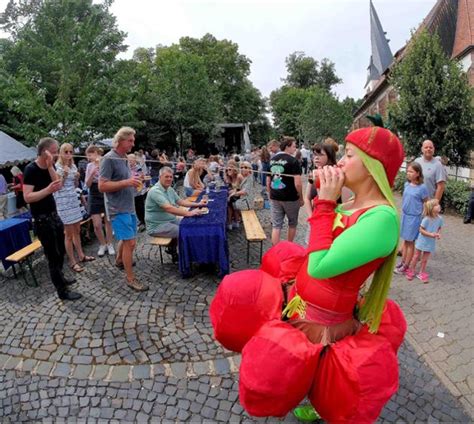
[{"x": 452, "y": 20}]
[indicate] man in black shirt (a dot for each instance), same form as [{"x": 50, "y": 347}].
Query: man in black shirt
[
  {"x": 285, "y": 189},
  {"x": 39, "y": 184}
]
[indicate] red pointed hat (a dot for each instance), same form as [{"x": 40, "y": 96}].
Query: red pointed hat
[{"x": 381, "y": 144}]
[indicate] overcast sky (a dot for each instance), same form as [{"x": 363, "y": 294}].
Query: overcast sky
[{"x": 267, "y": 31}]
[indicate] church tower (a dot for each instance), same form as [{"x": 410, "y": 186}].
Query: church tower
[{"x": 381, "y": 56}]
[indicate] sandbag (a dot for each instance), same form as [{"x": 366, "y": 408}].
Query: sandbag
[
  {"x": 243, "y": 302},
  {"x": 277, "y": 370},
  {"x": 283, "y": 260},
  {"x": 355, "y": 379}
]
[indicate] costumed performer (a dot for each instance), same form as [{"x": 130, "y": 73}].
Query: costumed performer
[{"x": 335, "y": 347}]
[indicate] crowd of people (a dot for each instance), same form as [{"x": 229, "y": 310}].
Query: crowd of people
[{"x": 127, "y": 191}]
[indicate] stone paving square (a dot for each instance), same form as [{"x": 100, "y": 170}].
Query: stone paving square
[{"x": 118, "y": 356}]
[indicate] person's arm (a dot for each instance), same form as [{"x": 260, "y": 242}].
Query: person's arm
[
  {"x": 441, "y": 177},
  {"x": 168, "y": 207},
  {"x": 31, "y": 196},
  {"x": 427, "y": 233},
  {"x": 440, "y": 186},
  {"x": 50, "y": 164},
  {"x": 107, "y": 186},
  {"x": 374, "y": 236},
  {"x": 189, "y": 204},
  {"x": 299, "y": 188},
  {"x": 307, "y": 200}
]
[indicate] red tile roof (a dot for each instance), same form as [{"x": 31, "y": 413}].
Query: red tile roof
[{"x": 465, "y": 28}]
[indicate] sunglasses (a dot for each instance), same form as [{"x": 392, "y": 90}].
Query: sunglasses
[
  {"x": 245, "y": 167},
  {"x": 68, "y": 151}
]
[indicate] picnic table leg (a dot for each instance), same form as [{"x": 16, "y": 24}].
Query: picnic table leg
[
  {"x": 30, "y": 265},
  {"x": 248, "y": 251},
  {"x": 261, "y": 250},
  {"x": 14, "y": 271},
  {"x": 23, "y": 272},
  {"x": 161, "y": 255}
]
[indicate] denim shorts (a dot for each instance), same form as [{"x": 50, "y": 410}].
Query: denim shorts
[
  {"x": 124, "y": 226},
  {"x": 279, "y": 209}
]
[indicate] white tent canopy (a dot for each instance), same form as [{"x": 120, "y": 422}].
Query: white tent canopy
[{"x": 12, "y": 152}]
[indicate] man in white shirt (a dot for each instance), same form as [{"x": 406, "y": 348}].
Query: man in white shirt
[{"x": 305, "y": 158}]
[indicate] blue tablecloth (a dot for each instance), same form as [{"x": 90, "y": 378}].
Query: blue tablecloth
[
  {"x": 14, "y": 234},
  {"x": 203, "y": 238}
]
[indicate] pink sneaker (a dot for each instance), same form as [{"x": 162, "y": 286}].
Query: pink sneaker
[
  {"x": 410, "y": 274},
  {"x": 424, "y": 277}
]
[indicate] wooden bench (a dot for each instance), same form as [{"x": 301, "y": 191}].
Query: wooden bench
[
  {"x": 25, "y": 254},
  {"x": 253, "y": 231},
  {"x": 161, "y": 242}
]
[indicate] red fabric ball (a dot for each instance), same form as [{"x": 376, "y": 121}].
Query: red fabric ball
[
  {"x": 355, "y": 379},
  {"x": 393, "y": 325},
  {"x": 283, "y": 260},
  {"x": 277, "y": 369},
  {"x": 243, "y": 302}
]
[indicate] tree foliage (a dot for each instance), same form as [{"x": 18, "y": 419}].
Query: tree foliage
[
  {"x": 305, "y": 72},
  {"x": 186, "y": 99},
  {"x": 304, "y": 106},
  {"x": 228, "y": 72},
  {"x": 65, "y": 52},
  {"x": 435, "y": 101},
  {"x": 324, "y": 116},
  {"x": 287, "y": 104}
]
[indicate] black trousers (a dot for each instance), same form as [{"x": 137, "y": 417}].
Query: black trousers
[
  {"x": 50, "y": 231},
  {"x": 304, "y": 165},
  {"x": 140, "y": 208}
]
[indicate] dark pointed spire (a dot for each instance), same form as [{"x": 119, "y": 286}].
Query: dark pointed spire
[{"x": 382, "y": 56}]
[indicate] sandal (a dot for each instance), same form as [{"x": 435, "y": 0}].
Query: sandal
[
  {"x": 77, "y": 267},
  {"x": 88, "y": 259}
]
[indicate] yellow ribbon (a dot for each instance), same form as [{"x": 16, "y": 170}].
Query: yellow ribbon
[{"x": 295, "y": 306}]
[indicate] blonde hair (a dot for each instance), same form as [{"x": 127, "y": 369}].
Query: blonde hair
[
  {"x": 194, "y": 174},
  {"x": 122, "y": 134},
  {"x": 62, "y": 161},
  {"x": 428, "y": 207}
]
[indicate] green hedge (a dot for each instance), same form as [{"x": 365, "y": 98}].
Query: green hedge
[{"x": 456, "y": 194}]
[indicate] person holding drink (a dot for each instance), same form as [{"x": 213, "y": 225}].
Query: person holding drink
[
  {"x": 119, "y": 185},
  {"x": 141, "y": 191},
  {"x": 69, "y": 208}
]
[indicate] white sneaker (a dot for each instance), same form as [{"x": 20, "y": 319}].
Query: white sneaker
[
  {"x": 110, "y": 248},
  {"x": 101, "y": 251}
]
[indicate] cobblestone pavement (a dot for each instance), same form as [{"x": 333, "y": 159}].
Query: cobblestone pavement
[{"x": 120, "y": 356}]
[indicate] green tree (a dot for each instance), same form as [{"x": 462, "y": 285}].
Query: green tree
[
  {"x": 324, "y": 116},
  {"x": 305, "y": 72},
  {"x": 228, "y": 72},
  {"x": 287, "y": 103},
  {"x": 435, "y": 101},
  {"x": 67, "y": 50},
  {"x": 186, "y": 99}
]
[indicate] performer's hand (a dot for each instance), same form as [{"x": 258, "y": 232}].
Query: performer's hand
[{"x": 331, "y": 180}]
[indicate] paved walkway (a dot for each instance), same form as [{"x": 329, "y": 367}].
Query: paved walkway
[{"x": 121, "y": 356}]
